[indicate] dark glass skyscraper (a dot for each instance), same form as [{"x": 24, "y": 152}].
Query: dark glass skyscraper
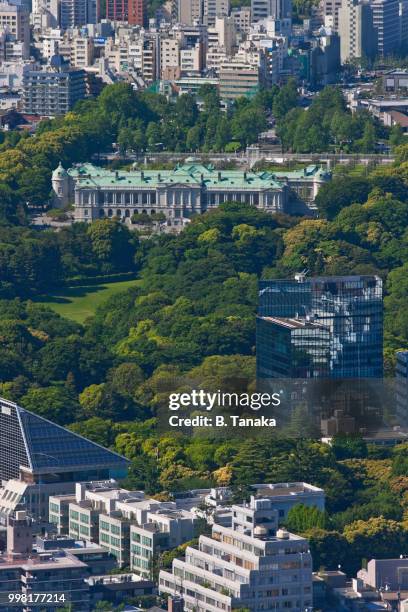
[{"x": 335, "y": 324}]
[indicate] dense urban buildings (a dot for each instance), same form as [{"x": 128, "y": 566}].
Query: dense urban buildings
[{"x": 253, "y": 565}]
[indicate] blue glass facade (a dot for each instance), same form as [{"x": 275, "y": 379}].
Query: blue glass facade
[
  {"x": 401, "y": 372},
  {"x": 45, "y": 449},
  {"x": 349, "y": 308}
]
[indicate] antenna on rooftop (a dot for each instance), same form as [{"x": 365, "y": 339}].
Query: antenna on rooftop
[{"x": 300, "y": 276}]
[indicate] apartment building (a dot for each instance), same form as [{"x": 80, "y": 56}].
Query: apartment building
[
  {"x": 114, "y": 535},
  {"x": 53, "y": 91},
  {"x": 110, "y": 516},
  {"x": 358, "y": 37},
  {"x": 250, "y": 565},
  {"x": 242, "y": 19},
  {"x": 163, "y": 529}
]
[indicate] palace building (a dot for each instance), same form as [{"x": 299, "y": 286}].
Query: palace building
[{"x": 189, "y": 189}]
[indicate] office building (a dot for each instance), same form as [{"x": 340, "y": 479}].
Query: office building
[
  {"x": 386, "y": 21},
  {"x": 277, "y": 9},
  {"x": 324, "y": 327},
  {"x": 242, "y": 19},
  {"x": 401, "y": 388},
  {"x": 325, "y": 60},
  {"x": 385, "y": 574},
  {"x": 358, "y": 37},
  {"x": 137, "y": 12},
  {"x": 252, "y": 565},
  {"x": 97, "y": 558},
  {"x": 118, "y": 589},
  {"x": 292, "y": 348},
  {"x": 53, "y": 91},
  {"x": 39, "y": 459}
]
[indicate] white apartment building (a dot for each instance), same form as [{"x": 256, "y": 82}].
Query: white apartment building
[
  {"x": 111, "y": 517},
  {"x": 190, "y": 59},
  {"x": 82, "y": 52},
  {"x": 162, "y": 529},
  {"x": 251, "y": 565}
]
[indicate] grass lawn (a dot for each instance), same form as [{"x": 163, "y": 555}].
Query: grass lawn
[{"x": 79, "y": 303}]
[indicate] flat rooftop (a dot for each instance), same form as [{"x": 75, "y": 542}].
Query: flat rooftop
[{"x": 293, "y": 323}]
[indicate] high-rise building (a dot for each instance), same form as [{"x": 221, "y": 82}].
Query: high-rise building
[
  {"x": 39, "y": 459},
  {"x": 292, "y": 348},
  {"x": 403, "y": 15},
  {"x": 277, "y": 9},
  {"x": 301, "y": 312},
  {"x": 252, "y": 565},
  {"x": 386, "y": 20},
  {"x": 130, "y": 11},
  {"x": 401, "y": 372},
  {"x": 358, "y": 37}
]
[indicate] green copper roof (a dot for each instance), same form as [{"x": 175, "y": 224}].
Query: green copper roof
[{"x": 192, "y": 173}]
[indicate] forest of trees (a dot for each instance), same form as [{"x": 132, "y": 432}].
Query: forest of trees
[{"x": 191, "y": 316}]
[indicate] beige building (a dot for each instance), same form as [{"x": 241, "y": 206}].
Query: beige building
[
  {"x": 82, "y": 52},
  {"x": 189, "y": 11},
  {"x": 358, "y": 37},
  {"x": 213, "y": 9},
  {"x": 242, "y": 19},
  {"x": 238, "y": 78},
  {"x": 15, "y": 20}
]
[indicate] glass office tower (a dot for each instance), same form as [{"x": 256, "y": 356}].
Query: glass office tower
[{"x": 350, "y": 308}]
